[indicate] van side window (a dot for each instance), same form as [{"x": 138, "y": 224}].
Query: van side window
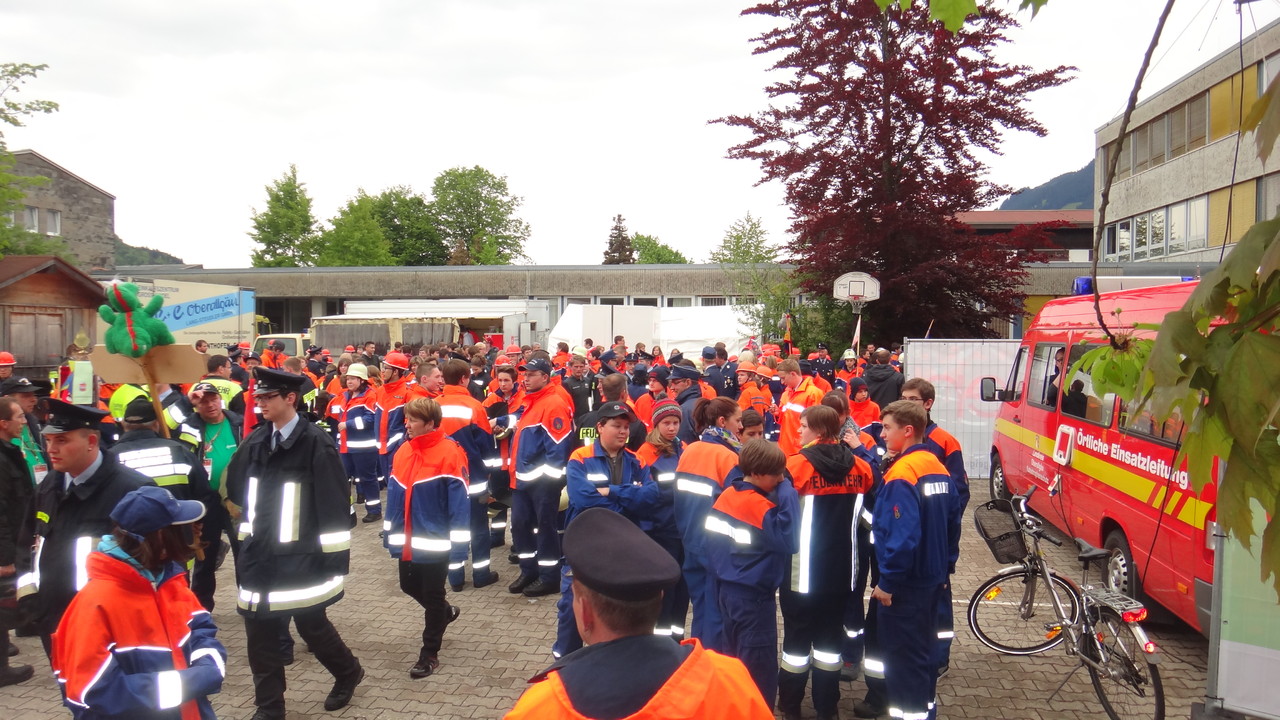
[
  {"x": 1080, "y": 400},
  {"x": 1136, "y": 419},
  {"x": 1047, "y": 372},
  {"x": 1017, "y": 381}
]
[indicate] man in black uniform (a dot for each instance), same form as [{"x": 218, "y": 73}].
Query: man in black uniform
[
  {"x": 170, "y": 464},
  {"x": 315, "y": 363},
  {"x": 291, "y": 564},
  {"x": 73, "y": 511},
  {"x": 684, "y": 382},
  {"x": 581, "y": 386},
  {"x": 823, "y": 364}
]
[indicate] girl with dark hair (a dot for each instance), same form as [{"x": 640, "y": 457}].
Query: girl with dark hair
[
  {"x": 135, "y": 641},
  {"x": 702, "y": 472}
]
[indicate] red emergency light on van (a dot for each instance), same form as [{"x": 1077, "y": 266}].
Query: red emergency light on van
[{"x": 1105, "y": 472}]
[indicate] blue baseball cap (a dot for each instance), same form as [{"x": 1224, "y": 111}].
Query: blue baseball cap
[
  {"x": 541, "y": 365},
  {"x": 149, "y": 508}
]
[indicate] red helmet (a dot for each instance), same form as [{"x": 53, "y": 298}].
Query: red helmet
[
  {"x": 513, "y": 350},
  {"x": 6, "y": 358},
  {"x": 244, "y": 344},
  {"x": 396, "y": 360},
  {"x": 349, "y": 348},
  {"x": 502, "y": 360}
]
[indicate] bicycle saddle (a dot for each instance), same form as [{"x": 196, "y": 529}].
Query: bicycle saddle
[{"x": 1089, "y": 552}]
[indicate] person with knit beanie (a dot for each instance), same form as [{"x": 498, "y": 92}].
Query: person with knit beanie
[{"x": 660, "y": 454}]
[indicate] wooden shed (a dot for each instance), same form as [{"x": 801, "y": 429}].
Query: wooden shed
[{"x": 44, "y": 303}]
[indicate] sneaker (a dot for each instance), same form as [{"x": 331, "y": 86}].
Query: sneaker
[
  {"x": 863, "y": 709},
  {"x": 342, "y": 691},
  {"x": 424, "y": 667},
  {"x": 14, "y": 674},
  {"x": 540, "y": 588},
  {"x": 521, "y": 583},
  {"x": 372, "y": 518}
]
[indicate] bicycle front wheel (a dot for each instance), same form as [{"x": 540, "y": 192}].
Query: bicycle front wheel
[
  {"x": 1013, "y": 613},
  {"x": 1128, "y": 684}
]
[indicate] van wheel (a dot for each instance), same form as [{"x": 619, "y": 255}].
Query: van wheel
[
  {"x": 1121, "y": 574},
  {"x": 999, "y": 489}
]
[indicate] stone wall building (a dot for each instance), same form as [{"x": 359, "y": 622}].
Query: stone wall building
[{"x": 69, "y": 207}]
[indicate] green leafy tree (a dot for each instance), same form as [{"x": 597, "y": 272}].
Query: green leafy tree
[
  {"x": 651, "y": 251},
  {"x": 286, "y": 231},
  {"x": 412, "y": 236},
  {"x": 14, "y": 238},
  {"x": 356, "y": 238},
  {"x": 475, "y": 214},
  {"x": 619, "y": 251},
  {"x": 752, "y": 265}
]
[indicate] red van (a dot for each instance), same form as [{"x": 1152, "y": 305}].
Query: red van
[{"x": 1105, "y": 473}]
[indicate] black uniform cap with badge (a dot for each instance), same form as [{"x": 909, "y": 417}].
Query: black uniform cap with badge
[
  {"x": 684, "y": 372},
  {"x": 16, "y": 385},
  {"x": 65, "y": 417},
  {"x": 270, "y": 381},
  {"x": 594, "y": 541}
]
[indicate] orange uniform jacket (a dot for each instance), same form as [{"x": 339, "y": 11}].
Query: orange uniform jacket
[
  {"x": 795, "y": 402},
  {"x": 707, "y": 686}
]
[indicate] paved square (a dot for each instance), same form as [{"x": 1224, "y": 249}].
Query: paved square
[{"x": 502, "y": 639}]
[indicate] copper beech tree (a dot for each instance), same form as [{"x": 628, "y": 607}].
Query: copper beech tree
[{"x": 874, "y": 129}]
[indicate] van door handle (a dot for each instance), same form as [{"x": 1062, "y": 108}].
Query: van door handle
[{"x": 1017, "y": 419}]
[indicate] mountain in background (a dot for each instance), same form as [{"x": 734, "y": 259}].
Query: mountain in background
[
  {"x": 1072, "y": 191},
  {"x": 126, "y": 254}
]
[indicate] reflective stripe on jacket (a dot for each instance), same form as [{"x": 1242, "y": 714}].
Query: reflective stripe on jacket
[{"x": 427, "y": 507}]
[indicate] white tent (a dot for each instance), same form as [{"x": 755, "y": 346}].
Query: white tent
[{"x": 687, "y": 329}]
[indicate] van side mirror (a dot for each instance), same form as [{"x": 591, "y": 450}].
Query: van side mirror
[{"x": 989, "y": 392}]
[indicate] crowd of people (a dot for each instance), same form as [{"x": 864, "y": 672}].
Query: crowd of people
[{"x": 674, "y": 504}]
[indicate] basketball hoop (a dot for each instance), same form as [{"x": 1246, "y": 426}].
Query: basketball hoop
[{"x": 856, "y": 288}]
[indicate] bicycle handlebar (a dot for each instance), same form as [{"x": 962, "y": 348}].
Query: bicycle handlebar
[{"x": 1033, "y": 526}]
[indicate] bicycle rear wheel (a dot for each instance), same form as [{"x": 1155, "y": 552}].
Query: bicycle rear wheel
[
  {"x": 1012, "y": 612},
  {"x": 1128, "y": 685}
]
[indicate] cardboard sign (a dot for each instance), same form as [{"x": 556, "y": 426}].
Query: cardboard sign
[{"x": 174, "y": 364}]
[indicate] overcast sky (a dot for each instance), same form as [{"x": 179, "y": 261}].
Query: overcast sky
[{"x": 186, "y": 110}]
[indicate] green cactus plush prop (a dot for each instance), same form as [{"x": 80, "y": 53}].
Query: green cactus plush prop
[{"x": 134, "y": 329}]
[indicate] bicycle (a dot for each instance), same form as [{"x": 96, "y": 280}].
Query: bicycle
[{"x": 1013, "y": 614}]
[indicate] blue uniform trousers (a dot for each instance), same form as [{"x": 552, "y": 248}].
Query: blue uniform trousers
[
  {"x": 567, "y": 637},
  {"x": 901, "y": 658},
  {"x": 750, "y": 633},
  {"x": 946, "y": 626},
  {"x": 537, "y": 506},
  {"x": 707, "y": 624},
  {"x": 481, "y": 573},
  {"x": 855, "y": 610},
  {"x": 363, "y": 466},
  {"x": 812, "y": 635},
  {"x": 675, "y": 600}
]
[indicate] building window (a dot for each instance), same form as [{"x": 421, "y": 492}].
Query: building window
[
  {"x": 1197, "y": 223},
  {"x": 743, "y": 300},
  {"x": 713, "y": 301},
  {"x": 1124, "y": 163},
  {"x": 1177, "y": 228},
  {"x": 52, "y": 222},
  {"x": 1123, "y": 235},
  {"x": 577, "y": 301},
  {"x": 1178, "y": 131},
  {"x": 1140, "y": 237},
  {"x": 1141, "y": 149},
  {"x": 610, "y": 301},
  {"x": 679, "y": 302},
  {"x": 1109, "y": 242},
  {"x": 1268, "y": 196},
  {"x": 1155, "y": 234},
  {"x": 1158, "y": 140},
  {"x": 31, "y": 218},
  {"x": 1197, "y": 121},
  {"x": 645, "y": 301}
]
